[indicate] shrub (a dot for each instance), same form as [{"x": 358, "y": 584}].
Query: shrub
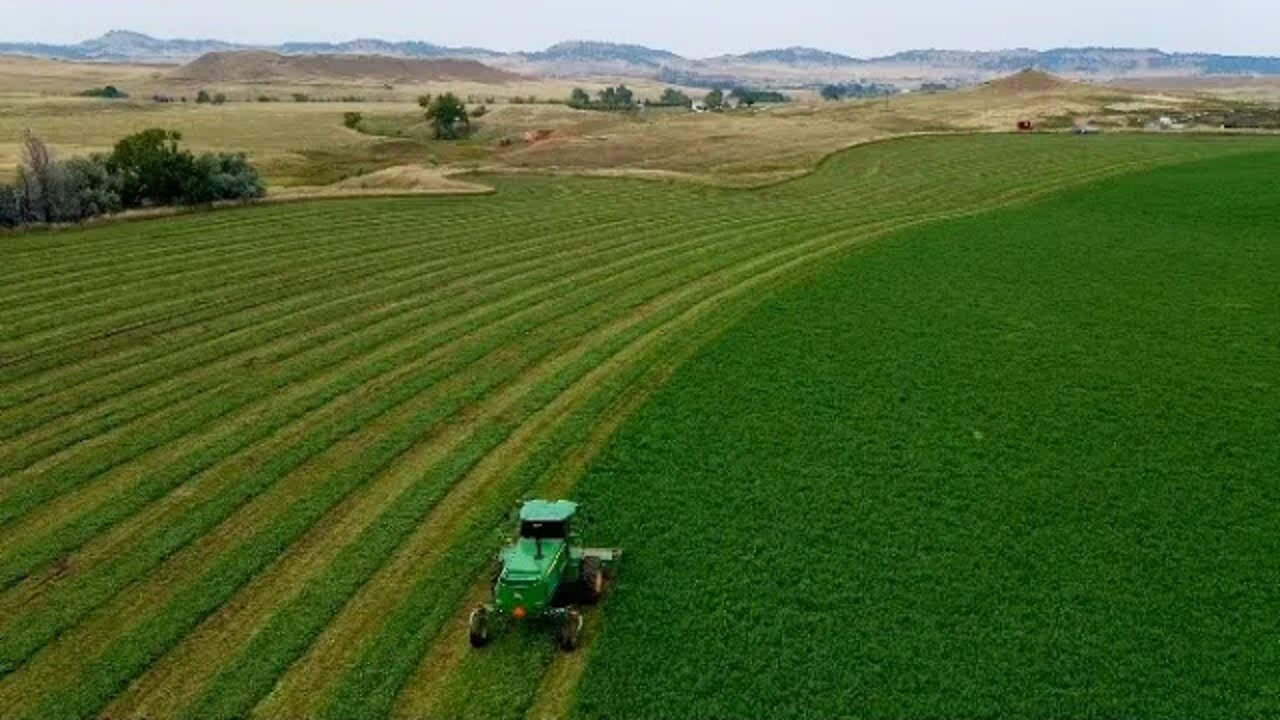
[
  {"x": 750, "y": 97},
  {"x": 219, "y": 99},
  {"x": 148, "y": 168},
  {"x": 110, "y": 92},
  {"x": 266, "y": 99},
  {"x": 203, "y": 97},
  {"x": 578, "y": 99},
  {"x": 301, "y": 97},
  {"x": 10, "y": 212},
  {"x": 222, "y": 176},
  {"x": 674, "y": 98},
  {"x": 352, "y": 120},
  {"x": 91, "y": 187}
]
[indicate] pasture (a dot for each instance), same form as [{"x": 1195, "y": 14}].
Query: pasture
[
  {"x": 254, "y": 462},
  {"x": 303, "y": 145}
]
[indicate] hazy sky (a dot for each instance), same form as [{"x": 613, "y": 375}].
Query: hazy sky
[{"x": 690, "y": 27}]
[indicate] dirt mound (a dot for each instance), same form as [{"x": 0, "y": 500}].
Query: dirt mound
[
  {"x": 262, "y": 66},
  {"x": 1028, "y": 82},
  {"x": 413, "y": 178}
]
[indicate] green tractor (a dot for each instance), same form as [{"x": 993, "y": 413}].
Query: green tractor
[{"x": 544, "y": 575}]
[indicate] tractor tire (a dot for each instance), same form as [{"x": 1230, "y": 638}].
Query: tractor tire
[
  {"x": 593, "y": 580},
  {"x": 479, "y": 628},
  {"x": 570, "y": 631}
]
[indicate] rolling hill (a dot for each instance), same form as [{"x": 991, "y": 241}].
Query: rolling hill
[{"x": 263, "y": 66}]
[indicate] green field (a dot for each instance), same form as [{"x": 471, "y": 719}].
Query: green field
[
  {"x": 254, "y": 462},
  {"x": 1020, "y": 465}
]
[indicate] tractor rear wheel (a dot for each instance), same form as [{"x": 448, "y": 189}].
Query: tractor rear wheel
[
  {"x": 479, "y": 629},
  {"x": 570, "y": 631},
  {"x": 592, "y": 579}
]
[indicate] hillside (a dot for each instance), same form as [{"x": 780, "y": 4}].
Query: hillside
[
  {"x": 263, "y": 66},
  {"x": 1030, "y": 82}
]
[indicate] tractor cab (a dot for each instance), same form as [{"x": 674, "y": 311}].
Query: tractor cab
[
  {"x": 543, "y": 520},
  {"x": 534, "y": 566},
  {"x": 543, "y": 573}
]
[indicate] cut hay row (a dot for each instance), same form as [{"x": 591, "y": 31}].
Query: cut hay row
[
  {"x": 252, "y": 517},
  {"x": 136, "y": 546}
]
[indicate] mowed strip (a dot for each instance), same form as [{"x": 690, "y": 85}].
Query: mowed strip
[
  {"x": 279, "y": 583},
  {"x": 63, "y": 605},
  {"x": 398, "y": 374},
  {"x": 444, "y": 294}
]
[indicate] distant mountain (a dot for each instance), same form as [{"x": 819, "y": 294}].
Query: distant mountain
[
  {"x": 795, "y": 56},
  {"x": 120, "y": 46},
  {"x": 587, "y": 51},
  {"x": 785, "y": 66},
  {"x": 1089, "y": 61}
]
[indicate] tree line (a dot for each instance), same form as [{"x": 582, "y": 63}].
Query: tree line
[
  {"x": 148, "y": 169},
  {"x": 622, "y": 98},
  {"x": 856, "y": 90}
]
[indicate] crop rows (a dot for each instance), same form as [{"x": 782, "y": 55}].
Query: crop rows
[{"x": 252, "y": 462}]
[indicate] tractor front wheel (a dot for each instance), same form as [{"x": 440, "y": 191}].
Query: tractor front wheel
[
  {"x": 479, "y": 630},
  {"x": 570, "y": 631},
  {"x": 592, "y": 579}
]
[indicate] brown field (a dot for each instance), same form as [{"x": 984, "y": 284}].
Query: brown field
[
  {"x": 1238, "y": 88},
  {"x": 304, "y": 144}
]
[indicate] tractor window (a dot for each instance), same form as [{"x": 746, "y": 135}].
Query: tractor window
[{"x": 541, "y": 530}]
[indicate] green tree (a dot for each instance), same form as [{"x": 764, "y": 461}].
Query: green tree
[
  {"x": 616, "y": 98},
  {"x": 579, "y": 99},
  {"x": 448, "y": 117},
  {"x": 832, "y": 92},
  {"x": 715, "y": 99},
  {"x": 203, "y": 98},
  {"x": 674, "y": 98},
  {"x": 220, "y": 99},
  {"x": 151, "y": 167}
]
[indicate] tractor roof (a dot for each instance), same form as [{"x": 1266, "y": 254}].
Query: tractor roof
[{"x": 548, "y": 511}]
